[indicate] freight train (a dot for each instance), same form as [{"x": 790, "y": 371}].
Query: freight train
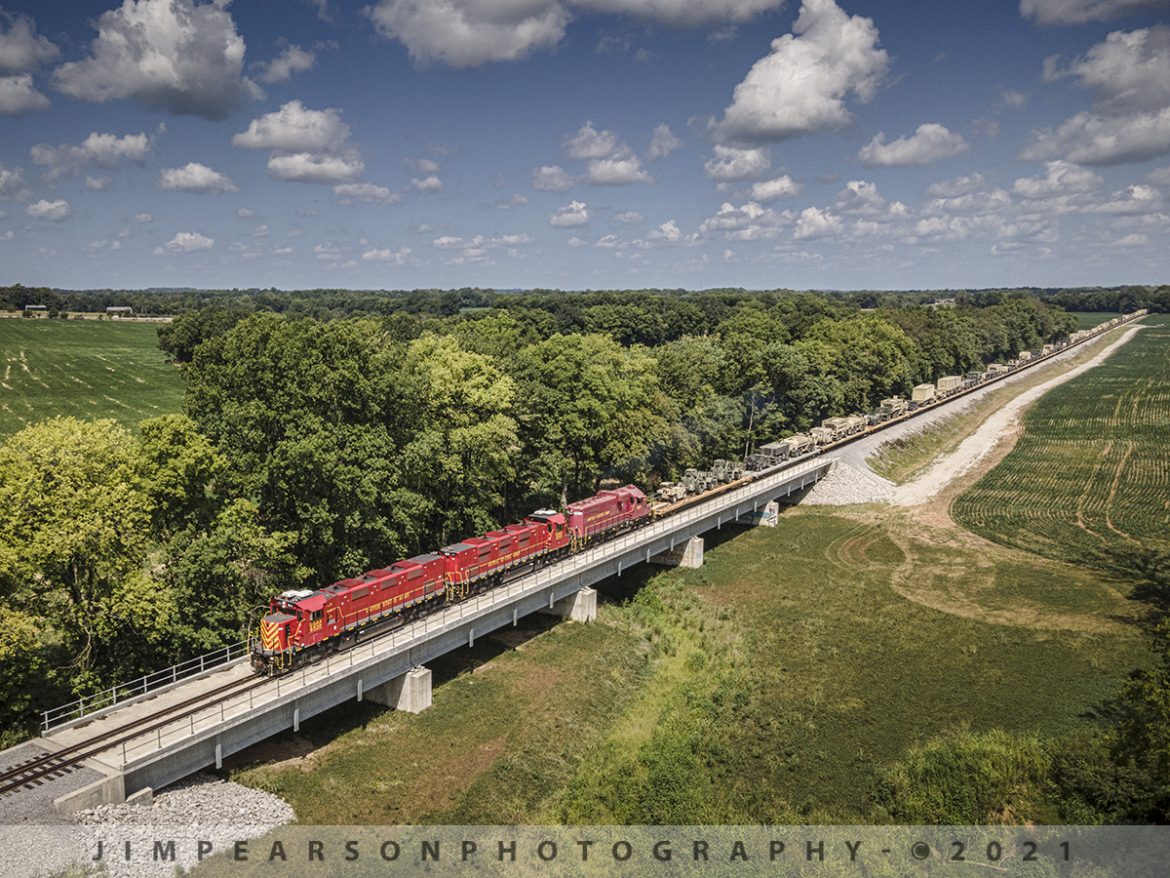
[{"x": 301, "y": 626}]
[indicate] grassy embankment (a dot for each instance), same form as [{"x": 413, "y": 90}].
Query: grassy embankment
[
  {"x": 84, "y": 368},
  {"x": 1090, "y": 478},
  {"x": 904, "y": 458}
]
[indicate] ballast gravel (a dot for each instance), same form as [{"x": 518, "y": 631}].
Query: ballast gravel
[
  {"x": 201, "y": 809},
  {"x": 852, "y": 481}
]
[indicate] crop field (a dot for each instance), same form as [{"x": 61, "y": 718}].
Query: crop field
[
  {"x": 773, "y": 684},
  {"x": 84, "y": 368},
  {"x": 1089, "y": 480}
]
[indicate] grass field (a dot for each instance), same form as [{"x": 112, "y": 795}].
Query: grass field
[
  {"x": 1090, "y": 478},
  {"x": 771, "y": 684},
  {"x": 84, "y": 368}
]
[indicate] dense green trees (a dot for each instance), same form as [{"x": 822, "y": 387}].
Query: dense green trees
[{"x": 588, "y": 408}]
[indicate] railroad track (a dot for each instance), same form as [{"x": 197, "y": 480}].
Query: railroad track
[{"x": 36, "y": 771}]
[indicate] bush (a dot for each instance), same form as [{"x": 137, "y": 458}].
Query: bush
[{"x": 965, "y": 777}]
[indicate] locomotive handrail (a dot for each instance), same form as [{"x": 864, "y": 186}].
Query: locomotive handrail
[{"x": 156, "y": 681}]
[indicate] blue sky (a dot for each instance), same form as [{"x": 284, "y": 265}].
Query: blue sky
[{"x": 584, "y": 143}]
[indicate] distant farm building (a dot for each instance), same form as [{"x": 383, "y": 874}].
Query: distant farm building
[
  {"x": 120, "y": 311},
  {"x": 36, "y": 307}
]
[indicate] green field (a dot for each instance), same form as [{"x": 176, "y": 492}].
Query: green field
[
  {"x": 770, "y": 685},
  {"x": 84, "y": 368},
  {"x": 1090, "y": 479}
]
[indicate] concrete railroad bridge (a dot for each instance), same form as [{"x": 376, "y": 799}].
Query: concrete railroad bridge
[{"x": 149, "y": 741}]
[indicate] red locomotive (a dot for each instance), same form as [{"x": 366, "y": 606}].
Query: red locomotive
[{"x": 302, "y": 626}]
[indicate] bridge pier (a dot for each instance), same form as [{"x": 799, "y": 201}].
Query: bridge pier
[
  {"x": 580, "y": 606},
  {"x": 410, "y": 693},
  {"x": 690, "y": 555},
  {"x": 769, "y": 517}
]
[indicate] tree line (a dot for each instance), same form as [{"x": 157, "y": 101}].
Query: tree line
[
  {"x": 312, "y": 448},
  {"x": 649, "y": 316}
]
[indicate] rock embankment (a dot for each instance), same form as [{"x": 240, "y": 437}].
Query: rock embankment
[{"x": 201, "y": 809}]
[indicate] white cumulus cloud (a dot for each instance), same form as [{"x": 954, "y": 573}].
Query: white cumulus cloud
[
  {"x": 551, "y": 178},
  {"x": 467, "y": 33},
  {"x": 429, "y": 183},
  {"x": 347, "y": 193},
  {"x": 589, "y": 143},
  {"x": 1128, "y": 76},
  {"x": 51, "y": 211},
  {"x": 1138, "y": 199},
  {"x": 292, "y": 60},
  {"x": 305, "y": 167},
  {"x": 1128, "y": 72},
  {"x": 196, "y": 177},
  {"x": 732, "y": 163},
  {"x": 958, "y": 186},
  {"x": 662, "y": 143},
  {"x": 621, "y": 168},
  {"x": 186, "y": 242},
  {"x": 802, "y": 86},
  {"x": 1081, "y": 11},
  {"x": 103, "y": 150},
  {"x": 1060, "y": 178},
  {"x": 772, "y": 190},
  {"x": 21, "y": 48},
  {"x": 19, "y": 96},
  {"x": 682, "y": 13},
  {"x": 11, "y": 182},
  {"x": 179, "y": 56},
  {"x": 932, "y": 142},
  {"x": 1091, "y": 139},
  {"x": 295, "y": 128},
  {"x": 385, "y": 254},
  {"x": 816, "y": 223},
  {"x": 575, "y": 213}
]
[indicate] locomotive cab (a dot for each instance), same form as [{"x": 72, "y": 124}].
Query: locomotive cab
[{"x": 278, "y": 632}]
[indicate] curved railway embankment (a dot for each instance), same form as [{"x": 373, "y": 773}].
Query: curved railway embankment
[{"x": 852, "y": 481}]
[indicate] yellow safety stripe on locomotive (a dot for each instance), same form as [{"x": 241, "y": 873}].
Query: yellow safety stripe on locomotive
[{"x": 270, "y": 635}]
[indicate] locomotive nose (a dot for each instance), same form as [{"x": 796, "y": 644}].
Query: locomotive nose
[{"x": 273, "y": 633}]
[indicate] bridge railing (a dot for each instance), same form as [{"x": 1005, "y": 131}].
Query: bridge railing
[
  {"x": 88, "y": 705},
  {"x": 141, "y": 750}
]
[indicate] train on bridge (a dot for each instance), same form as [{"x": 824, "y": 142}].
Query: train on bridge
[{"x": 301, "y": 626}]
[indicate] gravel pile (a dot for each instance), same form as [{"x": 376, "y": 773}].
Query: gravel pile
[
  {"x": 846, "y": 485},
  {"x": 201, "y": 809}
]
